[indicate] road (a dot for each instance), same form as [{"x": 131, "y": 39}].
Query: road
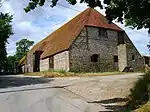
[{"x": 77, "y": 94}]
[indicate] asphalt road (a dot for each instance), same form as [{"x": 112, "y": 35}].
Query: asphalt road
[{"x": 86, "y": 94}]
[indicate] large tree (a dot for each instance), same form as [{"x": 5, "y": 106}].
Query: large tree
[
  {"x": 135, "y": 13},
  {"x": 23, "y": 47},
  {"x": 5, "y": 32},
  {"x": 11, "y": 60}
]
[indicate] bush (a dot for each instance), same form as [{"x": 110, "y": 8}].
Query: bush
[
  {"x": 59, "y": 71},
  {"x": 140, "y": 93},
  {"x": 62, "y": 71}
]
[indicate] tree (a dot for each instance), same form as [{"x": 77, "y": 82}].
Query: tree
[
  {"x": 5, "y": 32},
  {"x": 135, "y": 13},
  {"x": 0, "y": 3},
  {"x": 23, "y": 47},
  {"x": 11, "y": 60}
]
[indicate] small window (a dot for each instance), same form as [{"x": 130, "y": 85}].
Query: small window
[
  {"x": 115, "y": 59},
  {"x": 133, "y": 58},
  {"x": 102, "y": 32},
  {"x": 120, "y": 38},
  {"x": 94, "y": 58}
]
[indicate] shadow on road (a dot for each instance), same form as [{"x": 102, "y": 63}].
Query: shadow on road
[
  {"x": 15, "y": 81},
  {"x": 109, "y": 104}
]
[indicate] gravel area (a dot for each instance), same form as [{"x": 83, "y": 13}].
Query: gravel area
[{"x": 105, "y": 87}]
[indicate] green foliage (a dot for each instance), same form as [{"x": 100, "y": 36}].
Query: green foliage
[
  {"x": 59, "y": 71},
  {"x": 134, "y": 12},
  {"x": 23, "y": 47},
  {"x": 62, "y": 71},
  {"x": 35, "y": 3},
  {"x": 140, "y": 94},
  {"x": 144, "y": 108},
  {"x": 21, "y": 50},
  {"x": 5, "y": 32},
  {"x": 11, "y": 60}
]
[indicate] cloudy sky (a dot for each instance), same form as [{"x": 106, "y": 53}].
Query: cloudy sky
[{"x": 40, "y": 22}]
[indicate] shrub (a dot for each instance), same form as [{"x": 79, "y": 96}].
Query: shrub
[
  {"x": 140, "y": 93},
  {"x": 62, "y": 71}
]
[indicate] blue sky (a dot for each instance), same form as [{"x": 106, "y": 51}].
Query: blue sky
[{"x": 40, "y": 22}]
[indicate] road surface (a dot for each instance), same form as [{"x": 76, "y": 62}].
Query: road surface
[{"x": 86, "y": 94}]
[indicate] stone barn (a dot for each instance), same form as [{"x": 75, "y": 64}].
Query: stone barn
[{"x": 86, "y": 43}]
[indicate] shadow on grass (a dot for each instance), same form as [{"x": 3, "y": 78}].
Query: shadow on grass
[
  {"x": 115, "y": 108},
  {"x": 140, "y": 94},
  {"x": 114, "y": 100},
  {"x": 111, "y": 105},
  {"x": 16, "y": 81}
]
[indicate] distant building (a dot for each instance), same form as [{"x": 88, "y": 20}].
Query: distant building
[{"x": 86, "y": 43}]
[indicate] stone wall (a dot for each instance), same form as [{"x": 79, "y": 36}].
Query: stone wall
[
  {"x": 30, "y": 62},
  {"x": 90, "y": 42},
  {"x": 134, "y": 58},
  {"x": 44, "y": 64},
  {"x": 61, "y": 61}
]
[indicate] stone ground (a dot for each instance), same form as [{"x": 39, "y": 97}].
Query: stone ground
[{"x": 77, "y": 94}]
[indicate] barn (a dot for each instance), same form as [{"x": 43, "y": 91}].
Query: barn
[{"x": 86, "y": 43}]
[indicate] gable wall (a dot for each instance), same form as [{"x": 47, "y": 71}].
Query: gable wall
[
  {"x": 88, "y": 43},
  {"x": 138, "y": 63}
]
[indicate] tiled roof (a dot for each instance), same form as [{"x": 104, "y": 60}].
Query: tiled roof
[
  {"x": 62, "y": 38},
  {"x": 22, "y": 61}
]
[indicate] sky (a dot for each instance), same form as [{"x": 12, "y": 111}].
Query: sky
[{"x": 42, "y": 21}]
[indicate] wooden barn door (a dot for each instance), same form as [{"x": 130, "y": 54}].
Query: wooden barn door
[{"x": 37, "y": 55}]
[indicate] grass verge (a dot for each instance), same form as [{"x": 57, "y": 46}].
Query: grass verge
[
  {"x": 70, "y": 74},
  {"x": 144, "y": 108},
  {"x": 140, "y": 95}
]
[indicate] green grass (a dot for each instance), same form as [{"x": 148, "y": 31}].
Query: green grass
[
  {"x": 144, "y": 108},
  {"x": 62, "y": 73},
  {"x": 140, "y": 94}
]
